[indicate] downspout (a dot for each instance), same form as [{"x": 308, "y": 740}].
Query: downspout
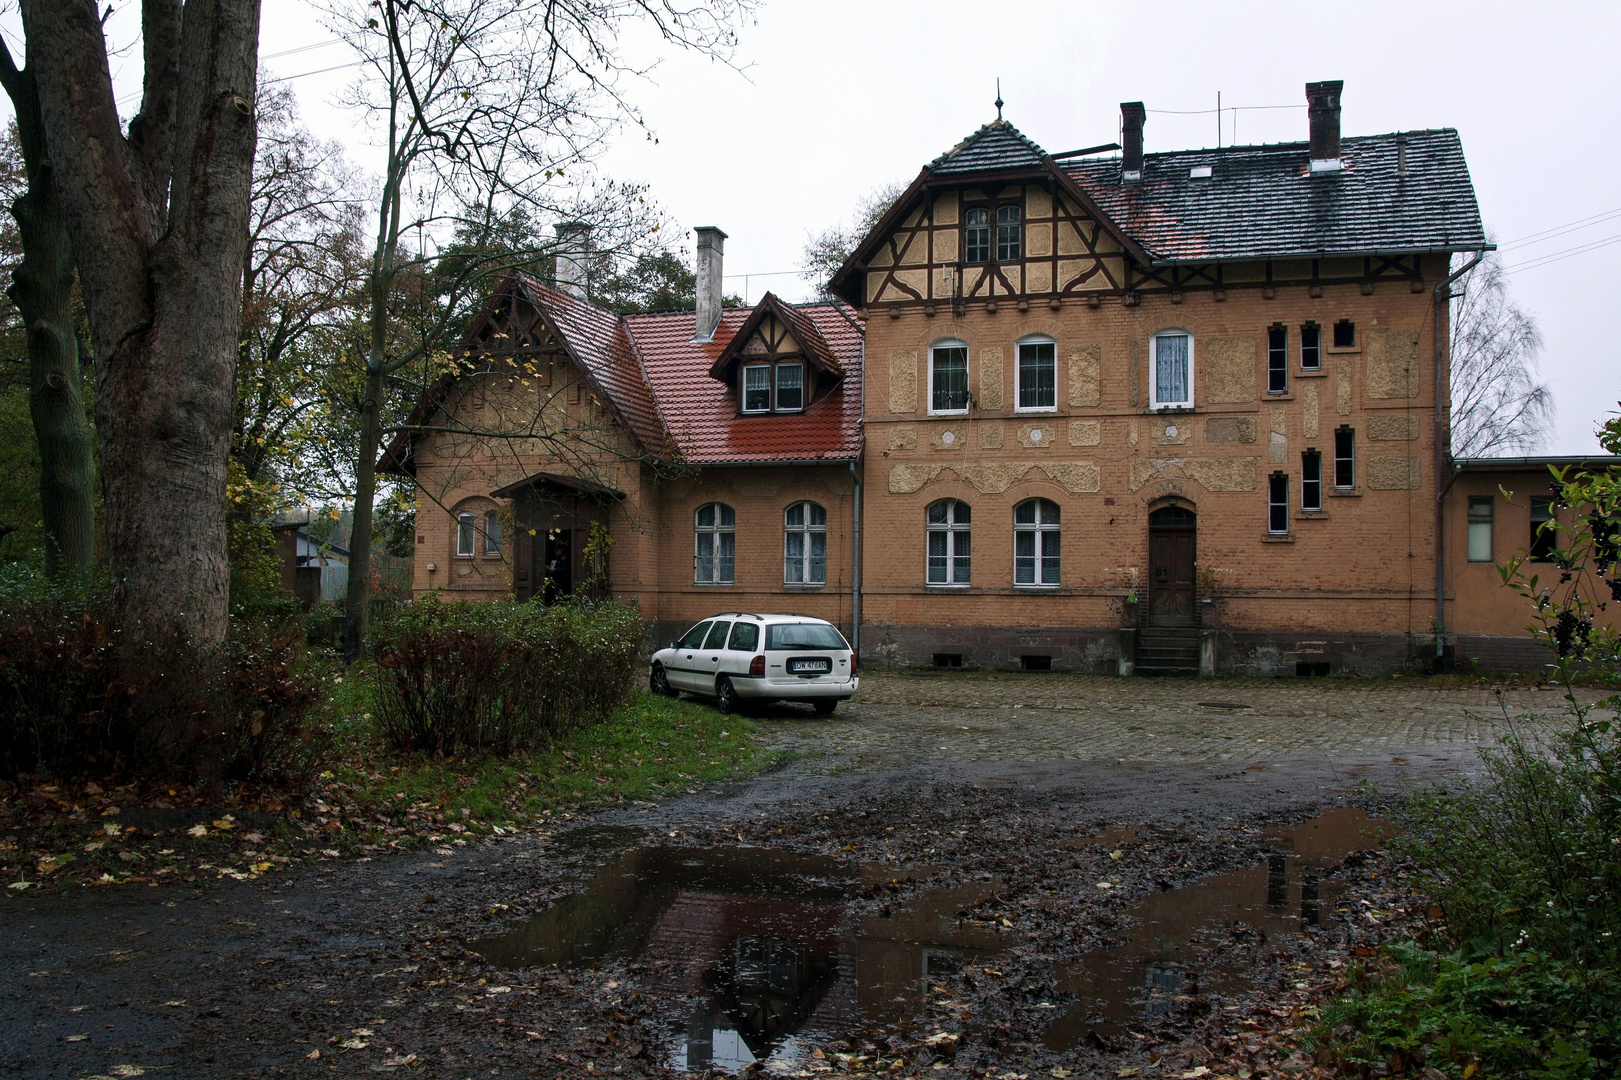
[
  {"x": 1443, "y": 449},
  {"x": 855, "y": 571}
]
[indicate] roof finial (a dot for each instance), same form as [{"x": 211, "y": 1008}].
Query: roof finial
[{"x": 999, "y": 98}]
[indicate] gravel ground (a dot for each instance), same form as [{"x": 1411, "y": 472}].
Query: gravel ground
[{"x": 1013, "y": 826}]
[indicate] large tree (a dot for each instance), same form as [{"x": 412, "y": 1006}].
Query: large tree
[
  {"x": 1499, "y": 404},
  {"x": 42, "y": 288},
  {"x": 157, "y": 216},
  {"x": 486, "y": 110}
]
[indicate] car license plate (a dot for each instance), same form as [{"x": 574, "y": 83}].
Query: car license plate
[{"x": 810, "y": 667}]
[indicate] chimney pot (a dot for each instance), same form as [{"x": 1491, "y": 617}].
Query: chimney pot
[
  {"x": 1132, "y": 116},
  {"x": 711, "y": 247},
  {"x": 1323, "y": 113},
  {"x": 572, "y": 261}
]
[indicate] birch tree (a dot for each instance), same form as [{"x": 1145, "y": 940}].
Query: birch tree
[{"x": 1499, "y": 403}]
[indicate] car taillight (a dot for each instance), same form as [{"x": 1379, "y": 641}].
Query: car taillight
[
  {"x": 852, "y": 663},
  {"x": 757, "y": 668}
]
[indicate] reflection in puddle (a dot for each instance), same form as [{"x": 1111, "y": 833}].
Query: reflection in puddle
[
  {"x": 1162, "y": 962},
  {"x": 762, "y": 940}
]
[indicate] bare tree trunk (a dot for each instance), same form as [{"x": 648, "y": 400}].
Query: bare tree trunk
[
  {"x": 42, "y": 289},
  {"x": 357, "y": 627},
  {"x": 158, "y": 222}
]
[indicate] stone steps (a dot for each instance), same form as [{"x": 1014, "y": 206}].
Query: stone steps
[{"x": 1167, "y": 651}]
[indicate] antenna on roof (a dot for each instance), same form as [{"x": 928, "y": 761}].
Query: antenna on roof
[{"x": 999, "y": 97}]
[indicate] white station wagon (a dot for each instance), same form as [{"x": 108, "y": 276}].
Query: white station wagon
[{"x": 741, "y": 659}]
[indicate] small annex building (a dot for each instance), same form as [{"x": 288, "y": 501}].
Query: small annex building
[{"x": 1180, "y": 411}]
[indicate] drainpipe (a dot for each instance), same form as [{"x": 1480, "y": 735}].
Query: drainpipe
[
  {"x": 855, "y": 571},
  {"x": 1443, "y": 450}
]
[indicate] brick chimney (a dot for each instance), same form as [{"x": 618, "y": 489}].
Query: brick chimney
[
  {"x": 573, "y": 257},
  {"x": 711, "y": 248},
  {"x": 1132, "y": 115},
  {"x": 1323, "y": 110}
]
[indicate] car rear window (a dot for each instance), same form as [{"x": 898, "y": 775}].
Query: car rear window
[
  {"x": 695, "y": 637},
  {"x": 717, "y": 635},
  {"x": 745, "y": 636},
  {"x": 803, "y": 636}
]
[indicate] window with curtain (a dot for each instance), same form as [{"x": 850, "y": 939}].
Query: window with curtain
[
  {"x": 1480, "y": 529},
  {"x": 948, "y": 531},
  {"x": 757, "y": 388},
  {"x": 1172, "y": 381},
  {"x": 716, "y": 545},
  {"x": 804, "y": 545},
  {"x": 948, "y": 378},
  {"x": 790, "y": 387},
  {"x": 1038, "y": 376},
  {"x": 1035, "y": 543}
]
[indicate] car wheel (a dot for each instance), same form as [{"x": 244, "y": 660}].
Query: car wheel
[
  {"x": 825, "y": 705},
  {"x": 659, "y": 682},
  {"x": 725, "y": 696}
]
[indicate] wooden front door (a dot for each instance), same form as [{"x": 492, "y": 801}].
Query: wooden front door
[{"x": 1171, "y": 556}]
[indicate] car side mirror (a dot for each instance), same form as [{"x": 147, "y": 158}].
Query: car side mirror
[{"x": 675, "y": 644}]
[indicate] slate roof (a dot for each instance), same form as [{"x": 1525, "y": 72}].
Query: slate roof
[
  {"x": 1263, "y": 201},
  {"x": 997, "y": 145},
  {"x": 701, "y": 413}
]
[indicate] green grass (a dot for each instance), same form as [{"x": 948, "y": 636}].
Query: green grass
[{"x": 650, "y": 747}]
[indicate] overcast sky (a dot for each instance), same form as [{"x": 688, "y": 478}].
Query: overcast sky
[{"x": 838, "y": 97}]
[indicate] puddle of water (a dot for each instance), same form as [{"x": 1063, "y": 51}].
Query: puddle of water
[
  {"x": 761, "y": 941},
  {"x": 1174, "y": 948}
]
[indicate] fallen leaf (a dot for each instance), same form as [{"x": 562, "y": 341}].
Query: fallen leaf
[
  {"x": 1198, "y": 1071},
  {"x": 20, "y": 885},
  {"x": 312, "y": 1055},
  {"x": 224, "y": 823},
  {"x": 111, "y": 828},
  {"x": 1129, "y": 1070},
  {"x": 352, "y": 1044},
  {"x": 76, "y": 1038},
  {"x": 197, "y": 830},
  {"x": 1117, "y": 855},
  {"x": 127, "y": 1070}
]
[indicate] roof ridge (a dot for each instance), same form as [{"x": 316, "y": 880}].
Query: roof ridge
[{"x": 1029, "y": 143}]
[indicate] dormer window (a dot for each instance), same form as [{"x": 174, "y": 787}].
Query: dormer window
[{"x": 776, "y": 387}]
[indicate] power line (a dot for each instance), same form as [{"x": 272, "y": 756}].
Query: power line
[
  {"x": 1558, "y": 256},
  {"x": 1224, "y": 108},
  {"x": 1560, "y": 230}
]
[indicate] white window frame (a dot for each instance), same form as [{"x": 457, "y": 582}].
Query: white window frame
[
  {"x": 1018, "y": 374},
  {"x": 770, "y": 388},
  {"x": 968, "y": 367},
  {"x": 466, "y": 530},
  {"x": 776, "y": 385},
  {"x": 807, "y": 530},
  {"x": 1153, "y": 369},
  {"x": 715, "y": 532},
  {"x": 952, "y": 528},
  {"x": 1487, "y": 526},
  {"x": 1040, "y": 529}
]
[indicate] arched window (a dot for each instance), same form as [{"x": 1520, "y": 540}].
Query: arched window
[
  {"x": 466, "y": 527},
  {"x": 948, "y": 542},
  {"x": 1035, "y": 543},
  {"x": 492, "y": 532},
  {"x": 804, "y": 545},
  {"x": 1171, "y": 378},
  {"x": 715, "y": 552}
]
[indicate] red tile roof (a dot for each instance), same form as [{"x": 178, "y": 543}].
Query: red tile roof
[{"x": 701, "y": 413}]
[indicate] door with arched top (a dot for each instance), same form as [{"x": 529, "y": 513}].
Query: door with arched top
[{"x": 1172, "y": 536}]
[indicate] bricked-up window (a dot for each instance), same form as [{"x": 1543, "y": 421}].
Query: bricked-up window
[
  {"x": 1038, "y": 375},
  {"x": 1344, "y": 334},
  {"x": 1345, "y": 458},
  {"x": 466, "y": 527},
  {"x": 804, "y": 545},
  {"x": 1311, "y": 347},
  {"x": 1035, "y": 543},
  {"x": 1277, "y": 518},
  {"x": 757, "y": 388},
  {"x": 1480, "y": 528},
  {"x": 948, "y": 542},
  {"x": 1544, "y": 536},
  {"x": 790, "y": 387},
  {"x": 1311, "y": 480},
  {"x": 1009, "y": 234},
  {"x": 715, "y": 558},
  {"x": 976, "y": 236},
  {"x": 492, "y": 533},
  {"x": 948, "y": 378},
  {"x": 1171, "y": 358},
  {"x": 1277, "y": 360}
]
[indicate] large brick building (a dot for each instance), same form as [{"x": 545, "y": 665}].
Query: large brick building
[{"x": 1151, "y": 410}]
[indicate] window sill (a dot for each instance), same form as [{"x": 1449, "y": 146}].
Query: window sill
[
  {"x": 1278, "y": 538},
  {"x": 1313, "y": 515},
  {"x": 1172, "y": 409},
  {"x": 1034, "y": 410},
  {"x": 1037, "y": 588},
  {"x": 1311, "y": 373},
  {"x": 714, "y": 584},
  {"x": 1345, "y": 493},
  {"x": 1280, "y": 395},
  {"x": 947, "y": 588},
  {"x": 1342, "y": 350},
  {"x": 803, "y": 586},
  {"x": 956, "y": 412}
]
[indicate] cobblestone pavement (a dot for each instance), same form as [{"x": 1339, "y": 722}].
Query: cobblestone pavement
[{"x": 909, "y": 719}]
